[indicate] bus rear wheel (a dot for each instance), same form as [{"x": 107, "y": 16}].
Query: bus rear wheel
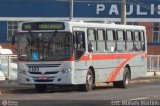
[
  {"x": 126, "y": 79},
  {"x": 89, "y": 82},
  {"x": 40, "y": 88}
]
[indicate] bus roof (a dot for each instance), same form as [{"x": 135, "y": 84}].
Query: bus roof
[
  {"x": 87, "y": 24},
  {"x": 102, "y": 24}
]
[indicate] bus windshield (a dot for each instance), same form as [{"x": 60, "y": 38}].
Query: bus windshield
[{"x": 45, "y": 45}]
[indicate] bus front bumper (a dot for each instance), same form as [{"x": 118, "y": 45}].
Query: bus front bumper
[{"x": 44, "y": 79}]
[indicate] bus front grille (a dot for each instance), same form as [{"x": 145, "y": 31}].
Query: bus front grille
[{"x": 55, "y": 72}]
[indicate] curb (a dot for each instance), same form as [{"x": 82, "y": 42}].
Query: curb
[
  {"x": 103, "y": 84},
  {"x": 135, "y": 81},
  {"x": 142, "y": 81},
  {"x": 146, "y": 80}
]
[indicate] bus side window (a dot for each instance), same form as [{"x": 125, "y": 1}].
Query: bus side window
[
  {"x": 121, "y": 41},
  {"x": 111, "y": 40},
  {"x": 101, "y": 40},
  {"x": 137, "y": 43},
  {"x": 92, "y": 47},
  {"x": 129, "y": 41},
  {"x": 142, "y": 40}
]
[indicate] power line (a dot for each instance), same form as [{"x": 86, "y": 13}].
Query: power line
[{"x": 142, "y": 5}]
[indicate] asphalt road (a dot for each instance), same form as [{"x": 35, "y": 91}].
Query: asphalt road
[{"x": 27, "y": 95}]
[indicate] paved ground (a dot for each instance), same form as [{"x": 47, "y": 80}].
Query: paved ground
[
  {"x": 9, "y": 85},
  {"x": 144, "y": 88},
  {"x": 144, "y": 79}
]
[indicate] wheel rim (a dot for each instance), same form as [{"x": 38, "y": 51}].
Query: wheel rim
[
  {"x": 127, "y": 79},
  {"x": 89, "y": 80}
]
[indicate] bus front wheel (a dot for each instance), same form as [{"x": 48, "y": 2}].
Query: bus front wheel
[
  {"x": 125, "y": 82},
  {"x": 40, "y": 88},
  {"x": 88, "y": 86}
]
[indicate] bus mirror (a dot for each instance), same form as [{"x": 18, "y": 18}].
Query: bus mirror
[{"x": 13, "y": 39}]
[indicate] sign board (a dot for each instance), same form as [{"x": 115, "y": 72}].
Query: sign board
[
  {"x": 108, "y": 9},
  {"x": 43, "y": 26}
]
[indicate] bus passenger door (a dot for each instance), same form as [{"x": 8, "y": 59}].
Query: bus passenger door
[
  {"x": 79, "y": 44},
  {"x": 80, "y": 64}
]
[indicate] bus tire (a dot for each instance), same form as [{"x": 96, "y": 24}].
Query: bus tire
[
  {"x": 88, "y": 86},
  {"x": 40, "y": 88},
  {"x": 126, "y": 79}
]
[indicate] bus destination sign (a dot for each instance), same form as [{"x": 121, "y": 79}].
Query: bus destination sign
[{"x": 43, "y": 26}]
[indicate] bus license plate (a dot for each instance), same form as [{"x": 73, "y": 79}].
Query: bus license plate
[{"x": 43, "y": 78}]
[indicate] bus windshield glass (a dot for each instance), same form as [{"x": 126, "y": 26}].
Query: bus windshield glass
[{"x": 45, "y": 45}]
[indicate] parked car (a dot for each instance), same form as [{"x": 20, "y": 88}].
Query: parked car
[
  {"x": 7, "y": 64},
  {"x": 2, "y": 76}
]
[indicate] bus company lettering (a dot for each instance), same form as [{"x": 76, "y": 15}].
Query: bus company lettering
[{"x": 131, "y": 9}]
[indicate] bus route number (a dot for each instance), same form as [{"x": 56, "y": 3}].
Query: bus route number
[{"x": 33, "y": 69}]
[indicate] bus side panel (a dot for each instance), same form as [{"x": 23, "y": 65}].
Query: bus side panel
[
  {"x": 138, "y": 66},
  {"x": 108, "y": 70},
  {"x": 102, "y": 70},
  {"x": 80, "y": 71}
]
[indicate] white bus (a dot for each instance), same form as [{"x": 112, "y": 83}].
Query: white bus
[{"x": 80, "y": 53}]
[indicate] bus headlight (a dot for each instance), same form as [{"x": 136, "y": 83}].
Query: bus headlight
[
  {"x": 66, "y": 71},
  {"x": 66, "y": 68}
]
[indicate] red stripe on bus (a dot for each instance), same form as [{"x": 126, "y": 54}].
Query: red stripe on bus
[
  {"x": 115, "y": 72},
  {"x": 108, "y": 56}
]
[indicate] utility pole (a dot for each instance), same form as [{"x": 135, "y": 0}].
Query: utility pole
[
  {"x": 71, "y": 9},
  {"x": 123, "y": 12}
]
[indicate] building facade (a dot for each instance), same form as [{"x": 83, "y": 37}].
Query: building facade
[{"x": 139, "y": 12}]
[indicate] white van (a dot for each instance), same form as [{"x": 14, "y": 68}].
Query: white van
[
  {"x": 2, "y": 76},
  {"x": 7, "y": 67}
]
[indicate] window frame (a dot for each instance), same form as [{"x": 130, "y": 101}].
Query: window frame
[
  {"x": 113, "y": 40},
  {"x": 95, "y": 39},
  {"x": 103, "y": 40},
  {"x": 123, "y": 41},
  {"x": 12, "y": 27},
  {"x": 156, "y": 32}
]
